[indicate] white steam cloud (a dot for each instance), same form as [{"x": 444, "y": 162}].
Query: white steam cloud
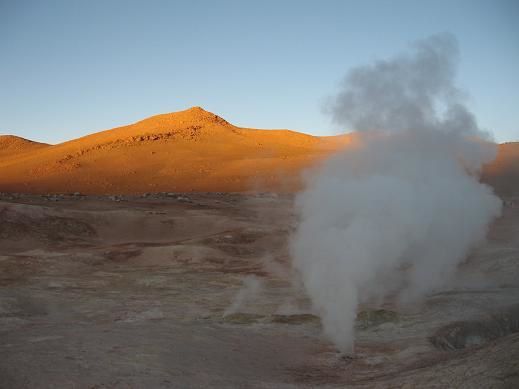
[{"x": 396, "y": 212}]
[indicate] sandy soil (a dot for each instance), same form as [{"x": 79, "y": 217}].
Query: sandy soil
[{"x": 148, "y": 292}]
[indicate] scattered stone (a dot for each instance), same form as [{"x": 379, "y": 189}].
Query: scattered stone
[{"x": 54, "y": 197}]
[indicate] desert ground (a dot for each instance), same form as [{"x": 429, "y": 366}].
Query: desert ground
[{"x": 195, "y": 290}]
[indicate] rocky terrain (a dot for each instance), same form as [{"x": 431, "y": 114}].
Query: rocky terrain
[{"x": 196, "y": 290}]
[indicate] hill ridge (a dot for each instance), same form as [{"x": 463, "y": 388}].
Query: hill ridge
[
  {"x": 8, "y": 140},
  {"x": 189, "y": 150}
]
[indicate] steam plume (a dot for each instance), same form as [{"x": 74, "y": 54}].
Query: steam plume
[
  {"x": 251, "y": 288},
  {"x": 396, "y": 212}
]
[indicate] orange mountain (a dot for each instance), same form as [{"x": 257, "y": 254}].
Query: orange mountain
[
  {"x": 11, "y": 145},
  {"x": 503, "y": 173},
  {"x": 191, "y": 150}
]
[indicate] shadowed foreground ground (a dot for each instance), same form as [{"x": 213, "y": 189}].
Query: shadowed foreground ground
[{"x": 100, "y": 292}]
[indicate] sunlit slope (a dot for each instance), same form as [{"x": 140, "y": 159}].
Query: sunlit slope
[
  {"x": 503, "y": 173},
  {"x": 13, "y": 146},
  {"x": 192, "y": 150}
]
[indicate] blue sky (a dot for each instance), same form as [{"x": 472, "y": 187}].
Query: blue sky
[{"x": 69, "y": 68}]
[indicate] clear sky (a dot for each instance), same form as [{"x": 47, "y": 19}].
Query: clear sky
[{"x": 71, "y": 67}]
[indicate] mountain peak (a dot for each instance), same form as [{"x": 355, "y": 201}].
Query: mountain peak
[
  {"x": 197, "y": 108},
  {"x": 199, "y": 114},
  {"x": 191, "y": 116}
]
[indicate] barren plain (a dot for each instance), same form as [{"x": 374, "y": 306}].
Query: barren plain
[{"x": 151, "y": 291}]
